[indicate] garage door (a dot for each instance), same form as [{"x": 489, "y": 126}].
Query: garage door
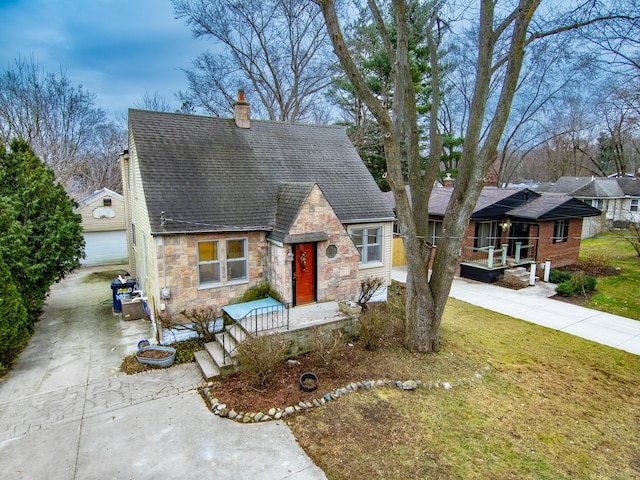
[{"x": 105, "y": 248}]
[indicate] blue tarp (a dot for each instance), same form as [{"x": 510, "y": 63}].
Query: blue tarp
[{"x": 240, "y": 310}]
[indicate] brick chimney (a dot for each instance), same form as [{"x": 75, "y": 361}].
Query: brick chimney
[{"x": 241, "y": 111}]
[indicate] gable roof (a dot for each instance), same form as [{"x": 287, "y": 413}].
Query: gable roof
[
  {"x": 208, "y": 175},
  {"x": 291, "y": 198},
  {"x": 103, "y": 192},
  {"x": 553, "y": 206},
  {"x": 521, "y": 203}
]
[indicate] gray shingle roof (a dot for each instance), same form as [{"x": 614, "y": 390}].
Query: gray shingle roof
[
  {"x": 600, "y": 188},
  {"x": 553, "y": 206},
  {"x": 291, "y": 197},
  {"x": 489, "y": 197},
  {"x": 569, "y": 184},
  {"x": 208, "y": 175},
  {"x": 496, "y": 203},
  {"x": 630, "y": 186},
  {"x": 595, "y": 187}
]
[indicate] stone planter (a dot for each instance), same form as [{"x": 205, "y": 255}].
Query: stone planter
[{"x": 159, "y": 356}]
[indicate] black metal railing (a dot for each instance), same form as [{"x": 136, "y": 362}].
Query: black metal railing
[{"x": 258, "y": 320}]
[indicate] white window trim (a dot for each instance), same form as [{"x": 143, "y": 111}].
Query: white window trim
[
  {"x": 373, "y": 263},
  {"x": 205, "y": 285},
  {"x": 565, "y": 227},
  {"x": 223, "y": 261},
  {"x": 236, "y": 281}
]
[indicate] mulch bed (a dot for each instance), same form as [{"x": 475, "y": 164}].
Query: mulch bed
[{"x": 237, "y": 391}]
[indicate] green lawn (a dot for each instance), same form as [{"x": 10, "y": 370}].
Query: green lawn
[
  {"x": 551, "y": 406},
  {"x": 619, "y": 295}
]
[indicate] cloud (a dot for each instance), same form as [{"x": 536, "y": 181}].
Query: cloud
[{"x": 117, "y": 49}]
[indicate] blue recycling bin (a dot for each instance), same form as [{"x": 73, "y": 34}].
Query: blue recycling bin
[{"x": 122, "y": 291}]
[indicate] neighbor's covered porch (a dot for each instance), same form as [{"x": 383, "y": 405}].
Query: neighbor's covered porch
[{"x": 494, "y": 246}]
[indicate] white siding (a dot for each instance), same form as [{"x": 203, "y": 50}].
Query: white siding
[{"x": 383, "y": 269}]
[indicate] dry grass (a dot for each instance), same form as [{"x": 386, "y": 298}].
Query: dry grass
[{"x": 552, "y": 406}]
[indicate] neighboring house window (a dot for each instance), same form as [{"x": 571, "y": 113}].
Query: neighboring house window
[
  {"x": 560, "y": 231},
  {"x": 486, "y": 234},
  {"x": 435, "y": 232},
  {"x": 209, "y": 262},
  {"x": 236, "y": 259},
  {"x": 634, "y": 205},
  {"x": 106, "y": 202},
  {"x": 599, "y": 203},
  {"x": 133, "y": 234},
  {"x": 369, "y": 243}
]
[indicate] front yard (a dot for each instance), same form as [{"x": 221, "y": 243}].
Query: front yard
[
  {"x": 616, "y": 294},
  {"x": 551, "y": 406}
]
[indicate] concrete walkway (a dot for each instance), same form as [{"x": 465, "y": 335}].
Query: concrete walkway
[
  {"x": 68, "y": 412},
  {"x": 533, "y": 305}
]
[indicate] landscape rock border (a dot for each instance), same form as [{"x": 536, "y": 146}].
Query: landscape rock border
[{"x": 278, "y": 413}]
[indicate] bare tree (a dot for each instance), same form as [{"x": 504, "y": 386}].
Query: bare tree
[
  {"x": 155, "y": 102},
  {"x": 59, "y": 120},
  {"x": 276, "y": 49},
  {"x": 100, "y": 167},
  {"x": 617, "y": 41},
  {"x": 503, "y": 36}
]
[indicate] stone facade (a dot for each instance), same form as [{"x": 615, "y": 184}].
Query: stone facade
[
  {"x": 337, "y": 276},
  {"x": 177, "y": 258}
]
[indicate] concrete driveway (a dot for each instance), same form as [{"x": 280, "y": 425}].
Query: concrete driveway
[{"x": 67, "y": 412}]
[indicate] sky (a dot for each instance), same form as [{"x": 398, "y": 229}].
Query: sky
[{"x": 117, "y": 49}]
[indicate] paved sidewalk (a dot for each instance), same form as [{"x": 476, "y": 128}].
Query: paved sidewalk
[
  {"x": 532, "y": 305},
  {"x": 67, "y": 412}
]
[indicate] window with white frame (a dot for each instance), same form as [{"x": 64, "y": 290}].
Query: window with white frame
[
  {"x": 560, "y": 231},
  {"x": 633, "y": 207},
  {"x": 486, "y": 234},
  {"x": 369, "y": 243},
  {"x": 599, "y": 203},
  {"x": 435, "y": 232},
  {"x": 236, "y": 259},
  {"x": 209, "y": 262}
]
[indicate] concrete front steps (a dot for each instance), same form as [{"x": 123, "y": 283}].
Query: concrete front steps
[
  {"x": 214, "y": 362},
  {"x": 219, "y": 357},
  {"x": 518, "y": 274}
]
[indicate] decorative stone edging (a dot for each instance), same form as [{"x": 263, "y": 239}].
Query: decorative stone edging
[{"x": 222, "y": 410}]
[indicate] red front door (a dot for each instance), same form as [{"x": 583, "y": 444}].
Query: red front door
[{"x": 304, "y": 273}]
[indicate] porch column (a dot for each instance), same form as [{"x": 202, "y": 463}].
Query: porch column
[
  {"x": 504, "y": 254},
  {"x": 518, "y": 249},
  {"x": 490, "y": 259}
]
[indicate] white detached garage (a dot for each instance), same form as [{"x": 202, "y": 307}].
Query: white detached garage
[{"x": 104, "y": 230}]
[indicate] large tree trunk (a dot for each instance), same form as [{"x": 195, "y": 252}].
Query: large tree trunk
[{"x": 426, "y": 298}]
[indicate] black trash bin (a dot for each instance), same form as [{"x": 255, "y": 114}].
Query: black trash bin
[{"x": 122, "y": 291}]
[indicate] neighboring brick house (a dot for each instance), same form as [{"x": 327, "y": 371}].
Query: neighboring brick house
[
  {"x": 104, "y": 228},
  {"x": 513, "y": 227},
  {"x": 617, "y": 197},
  {"x": 217, "y": 206}
]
